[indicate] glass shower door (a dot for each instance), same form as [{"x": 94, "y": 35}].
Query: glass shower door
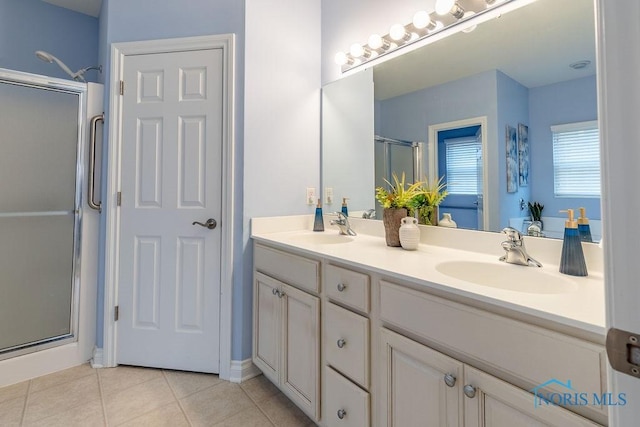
[{"x": 39, "y": 214}]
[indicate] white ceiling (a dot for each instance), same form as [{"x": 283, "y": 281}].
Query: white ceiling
[
  {"x": 88, "y": 7},
  {"x": 533, "y": 45}
]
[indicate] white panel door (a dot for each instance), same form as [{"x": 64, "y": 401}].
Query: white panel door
[{"x": 169, "y": 268}]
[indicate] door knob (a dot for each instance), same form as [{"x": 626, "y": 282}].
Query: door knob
[{"x": 210, "y": 224}]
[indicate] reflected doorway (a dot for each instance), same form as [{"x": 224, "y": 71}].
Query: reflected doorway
[{"x": 456, "y": 153}]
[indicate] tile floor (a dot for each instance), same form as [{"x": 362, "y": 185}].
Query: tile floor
[{"x": 131, "y": 396}]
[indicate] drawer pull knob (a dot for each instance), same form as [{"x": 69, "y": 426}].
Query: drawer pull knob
[
  {"x": 469, "y": 391},
  {"x": 450, "y": 380},
  {"x": 274, "y": 291},
  {"x": 342, "y": 413},
  {"x": 341, "y": 343},
  {"x": 341, "y": 287},
  {"x": 277, "y": 292}
]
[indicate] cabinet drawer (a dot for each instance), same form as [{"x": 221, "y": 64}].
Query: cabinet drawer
[
  {"x": 347, "y": 287},
  {"x": 534, "y": 355},
  {"x": 344, "y": 399},
  {"x": 292, "y": 269},
  {"x": 346, "y": 343}
]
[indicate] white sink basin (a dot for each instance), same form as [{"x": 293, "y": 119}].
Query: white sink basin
[
  {"x": 509, "y": 277},
  {"x": 321, "y": 238}
]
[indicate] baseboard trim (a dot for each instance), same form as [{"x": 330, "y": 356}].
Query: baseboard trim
[
  {"x": 97, "y": 361},
  {"x": 242, "y": 370}
]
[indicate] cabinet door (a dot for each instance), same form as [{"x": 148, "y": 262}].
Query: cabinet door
[
  {"x": 500, "y": 404},
  {"x": 413, "y": 390},
  {"x": 300, "y": 376},
  {"x": 267, "y": 325}
]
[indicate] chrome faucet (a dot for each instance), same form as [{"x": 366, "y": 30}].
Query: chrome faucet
[
  {"x": 343, "y": 223},
  {"x": 515, "y": 250},
  {"x": 371, "y": 213}
]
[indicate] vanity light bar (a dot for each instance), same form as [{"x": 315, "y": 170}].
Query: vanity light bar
[{"x": 422, "y": 26}]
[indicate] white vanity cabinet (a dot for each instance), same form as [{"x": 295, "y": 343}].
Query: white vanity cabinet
[
  {"x": 354, "y": 346},
  {"x": 346, "y": 347},
  {"x": 286, "y": 338},
  {"x": 524, "y": 354}
]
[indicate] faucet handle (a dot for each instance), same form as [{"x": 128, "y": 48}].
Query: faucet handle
[{"x": 513, "y": 234}]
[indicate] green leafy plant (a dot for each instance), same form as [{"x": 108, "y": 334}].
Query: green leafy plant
[
  {"x": 399, "y": 195},
  {"x": 535, "y": 210},
  {"x": 429, "y": 196}
]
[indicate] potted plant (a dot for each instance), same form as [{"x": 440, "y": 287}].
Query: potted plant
[
  {"x": 427, "y": 200},
  {"x": 396, "y": 203},
  {"x": 535, "y": 210}
]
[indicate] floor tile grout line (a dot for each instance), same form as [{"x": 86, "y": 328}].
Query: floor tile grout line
[
  {"x": 102, "y": 402},
  {"x": 67, "y": 381},
  {"x": 173, "y": 392},
  {"x": 258, "y": 406},
  {"x": 26, "y": 402}
]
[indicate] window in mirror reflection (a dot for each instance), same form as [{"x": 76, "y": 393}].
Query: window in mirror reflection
[
  {"x": 576, "y": 159},
  {"x": 460, "y": 161}
]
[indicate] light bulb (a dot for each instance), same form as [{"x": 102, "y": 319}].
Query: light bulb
[
  {"x": 397, "y": 32},
  {"x": 356, "y": 50},
  {"x": 421, "y": 19},
  {"x": 341, "y": 58},
  {"x": 444, "y": 6},
  {"x": 376, "y": 42},
  {"x": 468, "y": 28}
]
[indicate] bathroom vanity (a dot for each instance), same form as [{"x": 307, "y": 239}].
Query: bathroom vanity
[{"x": 357, "y": 333}]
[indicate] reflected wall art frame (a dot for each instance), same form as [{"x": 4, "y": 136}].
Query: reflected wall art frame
[
  {"x": 512, "y": 159},
  {"x": 523, "y": 155}
]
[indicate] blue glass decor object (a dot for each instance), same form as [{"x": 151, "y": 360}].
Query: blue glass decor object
[
  {"x": 318, "y": 222},
  {"x": 345, "y": 210},
  {"x": 572, "y": 259},
  {"x": 583, "y": 227}
]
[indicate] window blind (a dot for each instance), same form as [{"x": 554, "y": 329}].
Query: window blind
[
  {"x": 576, "y": 159},
  {"x": 462, "y": 165}
]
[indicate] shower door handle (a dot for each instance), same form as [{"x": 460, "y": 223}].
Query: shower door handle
[
  {"x": 92, "y": 163},
  {"x": 210, "y": 224}
]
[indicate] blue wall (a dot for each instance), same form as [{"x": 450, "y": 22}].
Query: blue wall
[
  {"x": 30, "y": 25},
  {"x": 566, "y": 102},
  {"x": 513, "y": 108},
  {"x": 505, "y": 102}
]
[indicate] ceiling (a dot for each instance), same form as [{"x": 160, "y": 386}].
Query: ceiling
[
  {"x": 88, "y": 7},
  {"x": 533, "y": 45}
]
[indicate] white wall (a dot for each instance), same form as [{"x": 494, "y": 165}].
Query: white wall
[
  {"x": 352, "y": 21},
  {"x": 281, "y": 120}
]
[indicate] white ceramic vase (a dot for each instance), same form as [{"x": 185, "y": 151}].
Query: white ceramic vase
[
  {"x": 446, "y": 221},
  {"x": 409, "y": 233}
]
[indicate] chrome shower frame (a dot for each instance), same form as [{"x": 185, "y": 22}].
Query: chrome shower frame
[{"x": 80, "y": 90}]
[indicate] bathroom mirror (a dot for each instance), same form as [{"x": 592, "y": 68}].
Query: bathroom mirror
[{"x": 510, "y": 75}]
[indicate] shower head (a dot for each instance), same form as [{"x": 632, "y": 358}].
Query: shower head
[{"x": 78, "y": 75}]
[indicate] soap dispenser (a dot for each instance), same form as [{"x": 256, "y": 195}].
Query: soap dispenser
[
  {"x": 318, "y": 223},
  {"x": 345, "y": 210},
  {"x": 583, "y": 227},
  {"x": 572, "y": 259}
]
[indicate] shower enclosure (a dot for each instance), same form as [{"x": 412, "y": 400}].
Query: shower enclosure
[
  {"x": 394, "y": 156},
  {"x": 42, "y": 125}
]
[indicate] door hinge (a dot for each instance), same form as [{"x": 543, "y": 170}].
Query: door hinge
[
  {"x": 119, "y": 198},
  {"x": 121, "y": 87},
  {"x": 116, "y": 313}
]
